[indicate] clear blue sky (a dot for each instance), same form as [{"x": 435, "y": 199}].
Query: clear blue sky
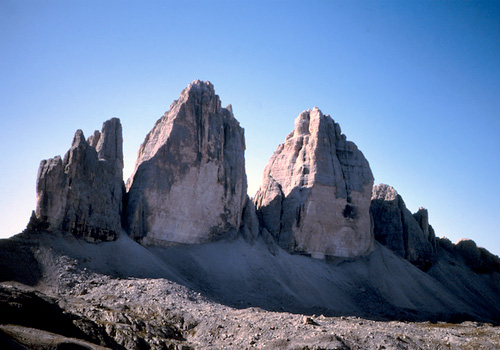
[{"x": 415, "y": 84}]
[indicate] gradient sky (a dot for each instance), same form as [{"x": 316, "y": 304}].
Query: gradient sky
[{"x": 415, "y": 84}]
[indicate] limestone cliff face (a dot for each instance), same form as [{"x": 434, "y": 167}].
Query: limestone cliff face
[
  {"x": 189, "y": 183},
  {"x": 315, "y": 192},
  {"x": 409, "y": 236},
  {"x": 82, "y": 193}
]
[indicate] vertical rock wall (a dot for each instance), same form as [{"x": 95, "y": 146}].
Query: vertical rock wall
[
  {"x": 409, "y": 236},
  {"x": 82, "y": 193},
  {"x": 315, "y": 192},
  {"x": 189, "y": 184}
]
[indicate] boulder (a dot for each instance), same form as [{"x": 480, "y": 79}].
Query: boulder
[
  {"x": 82, "y": 193},
  {"x": 189, "y": 183},
  {"x": 315, "y": 193},
  {"x": 409, "y": 236}
]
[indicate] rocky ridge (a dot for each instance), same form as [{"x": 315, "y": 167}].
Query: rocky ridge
[
  {"x": 409, "y": 236},
  {"x": 242, "y": 280}
]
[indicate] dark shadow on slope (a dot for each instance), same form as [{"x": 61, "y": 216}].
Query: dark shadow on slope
[
  {"x": 316, "y": 287},
  {"x": 480, "y": 291},
  {"x": 7, "y": 342},
  {"x": 17, "y": 261},
  {"x": 29, "y": 308},
  {"x": 242, "y": 275}
]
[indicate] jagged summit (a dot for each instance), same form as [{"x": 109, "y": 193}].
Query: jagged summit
[
  {"x": 82, "y": 193},
  {"x": 197, "y": 88},
  {"x": 315, "y": 192},
  {"x": 197, "y": 94},
  {"x": 384, "y": 192},
  {"x": 189, "y": 183}
]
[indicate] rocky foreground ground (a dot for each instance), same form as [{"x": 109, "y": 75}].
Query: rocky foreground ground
[
  {"x": 159, "y": 314},
  {"x": 71, "y": 306}
]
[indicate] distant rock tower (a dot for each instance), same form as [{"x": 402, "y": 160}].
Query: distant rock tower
[
  {"x": 315, "y": 192},
  {"x": 82, "y": 193},
  {"x": 409, "y": 236},
  {"x": 189, "y": 183}
]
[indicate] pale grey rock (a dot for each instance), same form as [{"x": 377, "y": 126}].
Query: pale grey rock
[
  {"x": 189, "y": 183},
  {"x": 82, "y": 193},
  {"x": 384, "y": 192},
  {"x": 409, "y": 236},
  {"x": 109, "y": 146},
  {"x": 315, "y": 193}
]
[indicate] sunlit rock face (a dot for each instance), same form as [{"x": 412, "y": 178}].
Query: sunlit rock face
[
  {"x": 315, "y": 192},
  {"x": 408, "y": 235},
  {"x": 189, "y": 183},
  {"x": 82, "y": 193}
]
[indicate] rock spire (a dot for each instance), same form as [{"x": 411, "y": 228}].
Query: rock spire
[
  {"x": 82, "y": 193},
  {"x": 189, "y": 183},
  {"x": 315, "y": 192}
]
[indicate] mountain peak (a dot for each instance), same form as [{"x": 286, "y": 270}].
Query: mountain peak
[
  {"x": 82, "y": 194},
  {"x": 189, "y": 183},
  {"x": 315, "y": 195}
]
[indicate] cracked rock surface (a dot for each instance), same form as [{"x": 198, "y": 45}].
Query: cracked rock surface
[
  {"x": 189, "y": 183},
  {"x": 315, "y": 192},
  {"x": 82, "y": 193}
]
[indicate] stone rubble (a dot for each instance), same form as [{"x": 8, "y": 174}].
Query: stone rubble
[{"x": 158, "y": 314}]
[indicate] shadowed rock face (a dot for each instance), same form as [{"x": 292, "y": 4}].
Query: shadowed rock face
[
  {"x": 315, "y": 193},
  {"x": 478, "y": 259},
  {"x": 82, "y": 193},
  {"x": 409, "y": 236},
  {"x": 189, "y": 183}
]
